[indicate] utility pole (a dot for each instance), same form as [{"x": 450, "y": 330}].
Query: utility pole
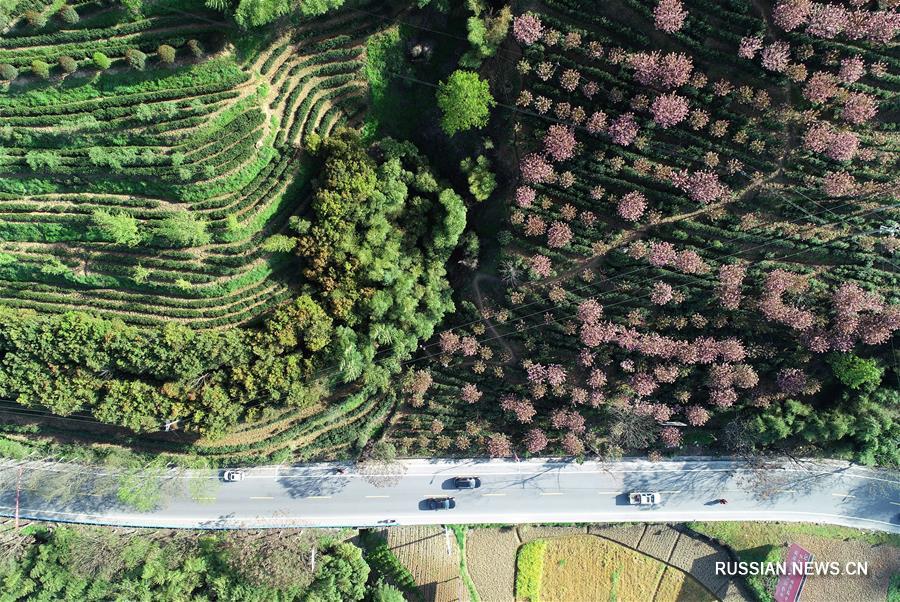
[{"x": 18, "y": 489}]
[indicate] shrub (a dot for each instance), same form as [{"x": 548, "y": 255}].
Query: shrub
[
  {"x": 35, "y": 19},
  {"x": 68, "y": 64},
  {"x": 101, "y": 61},
  {"x": 136, "y": 59},
  {"x": 68, "y": 15},
  {"x": 195, "y": 48},
  {"x": 40, "y": 69},
  {"x": 166, "y": 54},
  {"x": 856, "y": 372},
  {"x": 8, "y": 72}
]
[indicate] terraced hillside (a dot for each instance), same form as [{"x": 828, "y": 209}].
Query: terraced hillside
[{"x": 202, "y": 159}]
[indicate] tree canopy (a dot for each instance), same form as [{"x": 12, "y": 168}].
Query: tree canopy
[{"x": 465, "y": 101}]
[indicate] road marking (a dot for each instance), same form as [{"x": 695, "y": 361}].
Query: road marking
[
  {"x": 896, "y": 503},
  {"x": 552, "y": 493},
  {"x": 611, "y": 492},
  {"x": 673, "y": 491},
  {"x": 842, "y": 495},
  {"x": 493, "y": 494},
  {"x": 376, "y": 496},
  {"x": 261, "y": 497},
  {"x": 318, "y": 497}
]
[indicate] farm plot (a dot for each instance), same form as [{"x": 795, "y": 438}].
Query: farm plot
[
  {"x": 491, "y": 558},
  {"x": 146, "y": 195},
  {"x": 424, "y": 551},
  {"x": 589, "y": 568}
]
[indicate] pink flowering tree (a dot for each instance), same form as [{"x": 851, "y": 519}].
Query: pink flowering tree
[
  {"x": 470, "y": 393},
  {"x": 558, "y": 235},
  {"x": 541, "y": 265},
  {"x": 820, "y": 87},
  {"x": 669, "y": 109},
  {"x": 852, "y": 69},
  {"x": 527, "y": 29},
  {"x": 535, "y": 169},
  {"x": 859, "y": 108},
  {"x": 791, "y": 14},
  {"x": 776, "y": 56},
  {"x": 624, "y": 129},
  {"x": 525, "y": 196},
  {"x": 632, "y": 206},
  {"x": 749, "y": 46},
  {"x": 499, "y": 446},
  {"x": 535, "y": 440},
  {"x": 669, "y": 15},
  {"x": 670, "y": 436},
  {"x": 559, "y": 142}
]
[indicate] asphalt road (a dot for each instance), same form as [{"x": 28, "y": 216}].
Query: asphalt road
[{"x": 540, "y": 490}]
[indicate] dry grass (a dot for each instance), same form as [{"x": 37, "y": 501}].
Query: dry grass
[
  {"x": 588, "y": 568},
  {"x": 423, "y": 550},
  {"x": 491, "y": 557}
]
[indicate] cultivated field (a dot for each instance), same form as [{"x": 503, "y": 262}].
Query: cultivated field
[{"x": 424, "y": 551}]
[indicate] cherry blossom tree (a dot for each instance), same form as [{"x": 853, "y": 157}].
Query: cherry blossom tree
[
  {"x": 859, "y": 108},
  {"x": 632, "y": 206},
  {"x": 624, "y": 129},
  {"x": 572, "y": 444},
  {"x": 535, "y": 440},
  {"x": 777, "y": 283},
  {"x": 843, "y": 146},
  {"x": 525, "y": 196},
  {"x": 670, "y": 436},
  {"x": 792, "y": 381},
  {"x": 674, "y": 70},
  {"x": 669, "y": 109},
  {"x": 669, "y": 15},
  {"x": 820, "y": 87},
  {"x": 558, "y": 235},
  {"x": 791, "y": 14},
  {"x": 838, "y": 183},
  {"x": 499, "y": 446},
  {"x": 470, "y": 393},
  {"x": 662, "y": 293},
  {"x": 559, "y": 142},
  {"x": 827, "y": 20},
  {"x": 522, "y": 408},
  {"x": 749, "y": 46},
  {"x": 776, "y": 56},
  {"x": 852, "y": 69},
  {"x": 541, "y": 265},
  {"x": 589, "y": 311},
  {"x": 527, "y": 29},
  {"x": 596, "y": 124},
  {"x": 731, "y": 277},
  {"x": 535, "y": 169},
  {"x": 696, "y": 415}
]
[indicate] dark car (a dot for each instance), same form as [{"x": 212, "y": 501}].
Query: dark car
[
  {"x": 440, "y": 503},
  {"x": 467, "y": 482}
]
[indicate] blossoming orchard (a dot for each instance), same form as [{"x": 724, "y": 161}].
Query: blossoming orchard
[{"x": 699, "y": 242}]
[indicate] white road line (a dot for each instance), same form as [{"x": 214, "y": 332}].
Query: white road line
[
  {"x": 261, "y": 497},
  {"x": 842, "y": 495},
  {"x": 895, "y": 503},
  {"x": 493, "y": 494},
  {"x": 376, "y": 496},
  {"x": 317, "y": 497},
  {"x": 611, "y": 492},
  {"x": 552, "y": 493}
]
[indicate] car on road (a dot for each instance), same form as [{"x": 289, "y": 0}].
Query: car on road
[
  {"x": 232, "y": 476},
  {"x": 440, "y": 503},
  {"x": 644, "y": 498},
  {"x": 467, "y": 482}
]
